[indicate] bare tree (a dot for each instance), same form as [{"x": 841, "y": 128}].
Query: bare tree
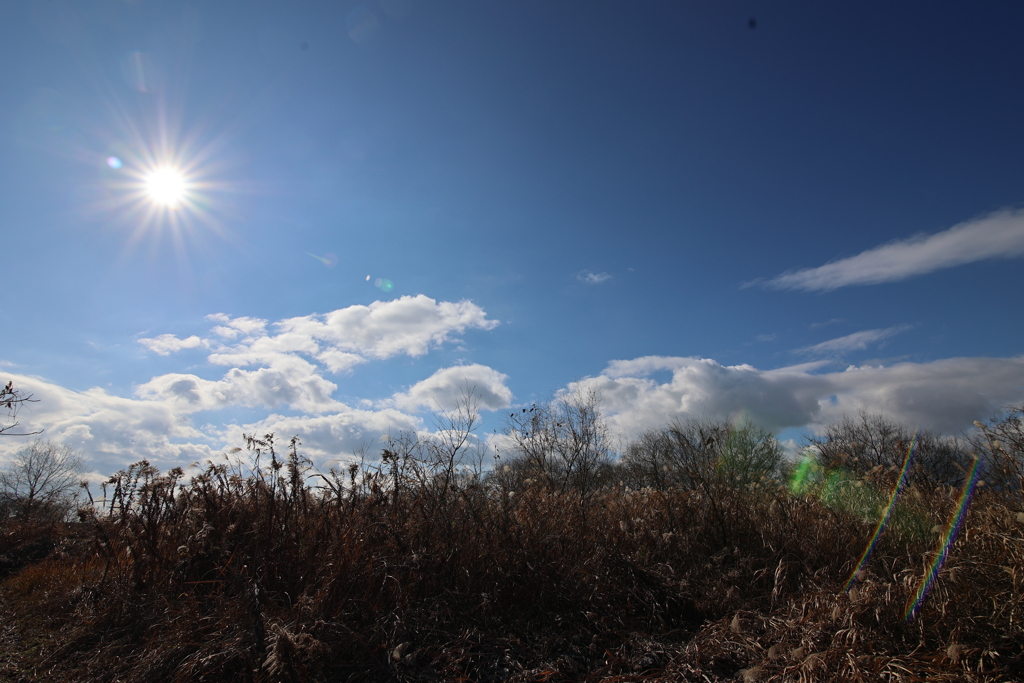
[
  {"x": 564, "y": 442},
  {"x": 452, "y": 441},
  {"x": 41, "y": 482},
  {"x": 871, "y": 442},
  {"x": 1000, "y": 445},
  {"x": 11, "y": 400}
]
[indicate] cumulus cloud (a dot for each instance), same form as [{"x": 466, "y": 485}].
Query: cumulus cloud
[
  {"x": 166, "y": 344},
  {"x": 233, "y": 327},
  {"x": 330, "y": 437},
  {"x": 858, "y": 341},
  {"x": 113, "y": 431},
  {"x": 341, "y": 339},
  {"x": 998, "y": 235},
  {"x": 943, "y": 396},
  {"x": 591, "y": 278},
  {"x": 290, "y": 381},
  {"x": 447, "y": 386},
  {"x": 287, "y": 357},
  {"x": 269, "y": 365},
  {"x": 410, "y": 325}
]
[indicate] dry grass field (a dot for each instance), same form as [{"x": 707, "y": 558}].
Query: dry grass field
[{"x": 415, "y": 570}]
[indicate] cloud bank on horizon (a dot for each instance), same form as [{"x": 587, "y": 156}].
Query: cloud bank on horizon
[
  {"x": 999, "y": 235},
  {"x": 279, "y": 367},
  {"x": 943, "y": 396}
]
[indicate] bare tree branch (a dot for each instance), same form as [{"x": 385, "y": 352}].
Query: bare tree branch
[{"x": 12, "y": 399}]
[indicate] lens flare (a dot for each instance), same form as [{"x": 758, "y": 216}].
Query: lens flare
[
  {"x": 801, "y": 481},
  {"x": 114, "y": 163},
  {"x": 384, "y": 284},
  {"x": 885, "y": 516},
  {"x": 946, "y": 541},
  {"x": 329, "y": 259}
]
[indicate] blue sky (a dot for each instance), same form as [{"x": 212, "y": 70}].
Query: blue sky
[{"x": 781, "y": 211}]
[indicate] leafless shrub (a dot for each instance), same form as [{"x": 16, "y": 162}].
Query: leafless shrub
[
  {"x": 255, "y": 571},
  {"x": 41, "y": 482},
  {"x": 1000, "y": 444},
  {"x": 564, "y": 442},
  {"x": 863, "y": 443}
]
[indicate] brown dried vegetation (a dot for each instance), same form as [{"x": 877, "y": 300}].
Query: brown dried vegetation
[{"x": 254, "y": 571}]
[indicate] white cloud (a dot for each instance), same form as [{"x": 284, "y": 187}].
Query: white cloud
[
  {"x": 998, "y": 235},
  {"x": 167, "y": 344},
  {"x": 269, "y": 365},
  {"x": 409, "y": 325},
  {"x": 114, "y": 432},
  {"x": 592, "y": 278},
  {"x": 833, "y": 321},
  {"x": 339, "y": 361},
  {"x": 334, "y": 436},
  {"x": 289, "y": 381},
  {"x": 251, "y": 327},
  {"x": 341, "y": 339},
  {"x": 444, "y": 388},
  {"x": 111, "y": 430},
  {"x": 943, "y": 396},
  {"x": 264, "y": 349},
  {"x": 858, "y": 341}
]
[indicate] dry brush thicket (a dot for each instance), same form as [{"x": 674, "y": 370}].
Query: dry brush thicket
[{"x": 688, "y": 558}]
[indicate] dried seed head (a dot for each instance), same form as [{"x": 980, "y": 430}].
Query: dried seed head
[
  {"x": 399, "y": 652},
  {"x": 751, "y": 675},
  {"x": 813, "y": 660}
]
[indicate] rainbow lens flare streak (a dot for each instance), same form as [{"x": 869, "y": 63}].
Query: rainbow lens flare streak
[
  {"x": 885, "y": 517},
  {"x": 946, "y": 542}
]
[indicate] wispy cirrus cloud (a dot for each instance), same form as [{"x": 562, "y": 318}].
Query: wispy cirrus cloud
[
  {"x": 858, "y": 341},
  {"x": 998, "y": 235},
  {"x": 591, "y": 278}
]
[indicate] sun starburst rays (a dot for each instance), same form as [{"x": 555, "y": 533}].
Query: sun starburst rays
[{"x": 165, "y": 193}]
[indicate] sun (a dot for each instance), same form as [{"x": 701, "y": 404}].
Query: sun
[{"x": 166, "y": 186}]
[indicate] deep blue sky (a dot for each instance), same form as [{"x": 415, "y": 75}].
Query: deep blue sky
[{"x": 594, "y": 182}]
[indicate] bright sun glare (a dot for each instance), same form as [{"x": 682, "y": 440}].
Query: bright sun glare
[{"x": 166, "y": 187}]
